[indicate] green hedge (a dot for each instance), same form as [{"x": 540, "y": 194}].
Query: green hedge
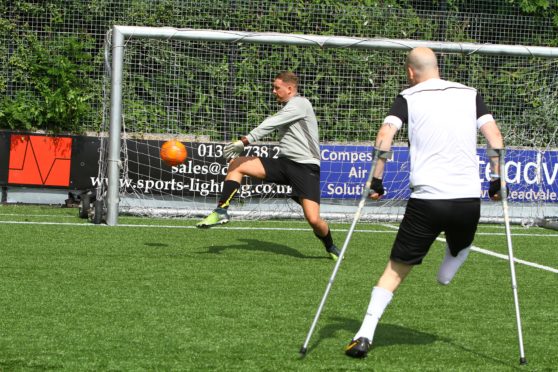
[
  {"x": 55, "y": 76},
  {"x": 53, "y": 50}
]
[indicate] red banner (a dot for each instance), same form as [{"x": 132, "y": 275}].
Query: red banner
[{"x": 40, "y": 160}]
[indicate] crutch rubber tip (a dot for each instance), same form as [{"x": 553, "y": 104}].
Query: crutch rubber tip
[
  {"x": 522, "y": 361},
  {"x": 303, "y": 351}
]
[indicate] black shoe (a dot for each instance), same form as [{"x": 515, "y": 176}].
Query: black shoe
[
  {"x": 333, "y": 252},
  {"x": 358, "y": 348}
]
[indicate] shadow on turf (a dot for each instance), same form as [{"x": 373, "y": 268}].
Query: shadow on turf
[
  {"x": 505, "y": 363},
  {"x": 149, "y": 244},
  {"x": 24, "y": 364},
  {"x": 391, "y": 334},
  {"x": 386, "y": 334},
  {"x": 258, "y": 245}
]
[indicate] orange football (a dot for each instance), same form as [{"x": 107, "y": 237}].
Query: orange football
[{"x": 173, "y": 152}]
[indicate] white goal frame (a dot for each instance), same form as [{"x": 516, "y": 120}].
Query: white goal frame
[{"x": 121, "y": 33}]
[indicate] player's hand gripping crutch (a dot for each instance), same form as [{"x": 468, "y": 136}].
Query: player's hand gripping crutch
[
  {"x": 367, "y": 187},
  {"x": 504, "y": 197}
]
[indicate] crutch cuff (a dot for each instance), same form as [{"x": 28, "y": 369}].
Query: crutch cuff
[
  {"x": 381, "y": 154},
  {"x": 490, "y": 152}
]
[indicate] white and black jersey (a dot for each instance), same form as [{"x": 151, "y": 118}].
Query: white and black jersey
[
  {"x": 297, "y": 129},
  {"x": 443, "y": 118}
]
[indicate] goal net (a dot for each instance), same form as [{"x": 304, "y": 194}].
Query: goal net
[{"x": 207, "y": 88}]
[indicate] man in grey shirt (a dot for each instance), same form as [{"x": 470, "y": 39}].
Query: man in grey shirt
[{"x": 297, "y": 165}]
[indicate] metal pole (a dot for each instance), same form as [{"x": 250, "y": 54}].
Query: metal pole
[
  {"x": 504, "y": 196},
  {"x": 113, "y": 158},
  {"x": 333, "y": 41},
  {"x": 365, "y": 193}
]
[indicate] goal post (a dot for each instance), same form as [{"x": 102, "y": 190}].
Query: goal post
[
  {"x": 115, "y": 128},
  {"x": 207, "y": 87}
]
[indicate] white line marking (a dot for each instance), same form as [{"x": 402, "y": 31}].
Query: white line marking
[
  {"x": 37, "y": 215},
  {"x": 391, "y": 231},
  {"x": 505, "y": 257},
  {"x": 516, "y": 234},
  {"x": 46, "y": 223},
  {"x": 498, "y": 255}
]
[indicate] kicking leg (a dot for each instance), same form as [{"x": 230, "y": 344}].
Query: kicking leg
[{"x": 238, "y": 168}]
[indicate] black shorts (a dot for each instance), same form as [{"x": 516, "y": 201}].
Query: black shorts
[
  {"x": 425, "y": 219},
  {"x": 303, "y": 178}
]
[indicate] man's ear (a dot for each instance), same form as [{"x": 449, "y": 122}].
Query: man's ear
[
  {"x": 410, "y": 75},
  {"x": 292, "y": 89}
]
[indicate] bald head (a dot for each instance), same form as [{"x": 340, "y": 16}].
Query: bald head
[{"x": 421, "y": 65}]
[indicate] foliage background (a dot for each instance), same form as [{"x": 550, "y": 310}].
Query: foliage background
[{"x": 51, "y": 52}]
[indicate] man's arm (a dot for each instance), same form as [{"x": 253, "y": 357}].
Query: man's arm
[
  {"x": 292, "y": 112},
  {"x": 384, "y": 139},
  {"x": 493, "y": 136},
  {"x": 397, "y": 115}
]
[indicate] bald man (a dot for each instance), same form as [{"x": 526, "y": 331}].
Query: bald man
[{"x": 443, "y": 118}]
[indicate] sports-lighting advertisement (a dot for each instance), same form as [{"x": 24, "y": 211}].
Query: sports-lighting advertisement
[
  {"x": 201, "y": 174},
  {"x": 531, "y": 175}
]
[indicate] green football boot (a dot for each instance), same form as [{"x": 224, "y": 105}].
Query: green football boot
[
  {"x": 333, "y": 252},
  {"x": 219, "y": 216}
]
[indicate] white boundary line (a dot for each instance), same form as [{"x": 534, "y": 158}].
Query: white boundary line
[
  {"x": 505, "y": 257},
  {"x": 498, "y": 255},
  {"x": 302, "y": 222},
  {"x": 392, "y": 230}
]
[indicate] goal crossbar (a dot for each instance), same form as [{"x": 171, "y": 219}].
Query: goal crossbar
[{"x": 327, "y": 41}]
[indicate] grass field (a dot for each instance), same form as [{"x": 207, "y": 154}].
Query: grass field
[{"x": 158, "y": 294}]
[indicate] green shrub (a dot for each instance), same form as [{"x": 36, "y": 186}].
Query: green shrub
[{"x": 56, "y": 75}]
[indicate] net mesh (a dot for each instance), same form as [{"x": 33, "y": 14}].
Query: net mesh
[
  {"x": 207, "y": 93},
  {"x": 24, "y": 21}
]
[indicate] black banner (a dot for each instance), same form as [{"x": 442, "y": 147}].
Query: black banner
[
  {"x": 201, "y": 174},
  {"x": 4, "y": 157}
]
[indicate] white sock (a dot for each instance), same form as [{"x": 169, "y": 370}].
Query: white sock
[
  {"x": 451, "y": 264},
  {"x": 378, "y": 302}
]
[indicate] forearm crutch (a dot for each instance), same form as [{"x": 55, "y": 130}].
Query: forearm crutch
[
  {"x": 504, "y": 197},
  {"x": 375, "y": 155}
]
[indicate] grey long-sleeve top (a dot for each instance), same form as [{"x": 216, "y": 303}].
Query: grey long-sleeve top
[{"x": 298, "y": 131}]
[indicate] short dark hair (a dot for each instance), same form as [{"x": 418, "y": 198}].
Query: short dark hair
[{"x": 288, "y": 77}]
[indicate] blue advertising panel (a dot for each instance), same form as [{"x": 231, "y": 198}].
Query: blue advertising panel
[{"x": 531, "y": 174}]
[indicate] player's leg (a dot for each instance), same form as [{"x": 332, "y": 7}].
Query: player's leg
[
  {"x": 305, "y": 181},
  {"x": 451, "y": 264},
  {"x": 238, "y": 168},
  {"x": 320, "y": 227},
  {"x": 417, "y": 232},
  {"x": 394, "y": 274},
  {"x": 460, "y": 232}
]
